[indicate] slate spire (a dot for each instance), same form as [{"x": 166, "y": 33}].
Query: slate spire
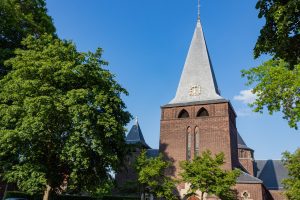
[
  {"x": 135, "y": 135},
  {"x": 197, "y": 82}
]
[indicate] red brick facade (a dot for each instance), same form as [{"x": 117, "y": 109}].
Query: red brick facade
[
  {"x": 246, "y": 160},
  {"x": 217, "y": 133},
  {"x": 255, "y": 192},
  {"x": 278, "y": 195}
]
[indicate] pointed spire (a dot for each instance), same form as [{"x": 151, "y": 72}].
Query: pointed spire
[
  {"x": 197, "y": 82},
  {"x": 135, "y": 135}
]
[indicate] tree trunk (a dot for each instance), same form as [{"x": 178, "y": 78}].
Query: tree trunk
[
  {"x": 47, "y": 192},
  {"x": 202, "y": 195}
]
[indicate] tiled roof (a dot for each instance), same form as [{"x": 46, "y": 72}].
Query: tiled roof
[
  {"x": 241, "y": 143},
  {"x": 247, "y": 178},
  {"x": 271, "y": 172}
]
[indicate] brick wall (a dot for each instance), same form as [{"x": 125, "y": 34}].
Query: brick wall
[
  {"x": 254, "y": 190},
  {"x": 127, "y": 173},
  {"x": 217, "y": 133},
  {"x": 247, "y": 163},
  {"x": 278, "y": 195}
]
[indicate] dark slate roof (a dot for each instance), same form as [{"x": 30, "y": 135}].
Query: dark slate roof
[
  {"x": 135, "y": 136},
  {"x": 247, "y": 178},
  {"x": 241, "y": 143},
  {"x": 271, "y": 172},
  {"x": 151, "y": 153}
]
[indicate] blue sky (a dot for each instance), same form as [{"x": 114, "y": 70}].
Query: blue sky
[{"x": 146, "y": 42}]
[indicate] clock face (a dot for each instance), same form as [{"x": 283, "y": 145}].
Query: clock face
[{"x": 195, "y": 90}]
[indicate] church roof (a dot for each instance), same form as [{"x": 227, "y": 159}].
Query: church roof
[
  {"x": 247, "y": 178},
  {"x": 135, "y": 136},
  {"x": 271, "y": 172},
  {"x": 241, "y": 143},
  {"x": 198, "y": 81},
  {"x": 152, "y": 153}
]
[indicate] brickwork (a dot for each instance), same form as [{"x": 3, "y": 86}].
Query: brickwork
[
  {"x": 217, "y": 133},
  {"x": 127, "y": 173},
  {"x": 255, "y": 191},
  {"x": 278, "y": 195},
  {"x": 247, "y": 163}
]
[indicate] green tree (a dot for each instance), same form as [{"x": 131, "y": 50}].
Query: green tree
[
  {"x": 61, "y": 118},
  {"x": 277, "y": 88},
  {"x": 279, "y": 36},
  {"x": 276, "y": 82},
  {"x": 152, "y": 176},
  {"x": 205, "y": 173},
  {"x": 292, "y": 184},
  {"x": 18, "y": 19}
]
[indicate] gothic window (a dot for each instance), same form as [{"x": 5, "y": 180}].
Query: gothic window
[
  {"x": 183, "y": 114},
  {"x": 197, "y": 141},
  {"x": 202, "y": 113},
  {"x": 189, "y": 143}
]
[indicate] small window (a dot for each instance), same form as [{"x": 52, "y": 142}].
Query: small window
[
  {"x": 183, "y": 114},
  {"x": 202, "y": 113}
]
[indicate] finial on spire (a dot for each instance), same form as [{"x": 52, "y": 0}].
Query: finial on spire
[
  {"x": 198, "y": 9},
  {"x": 136, "y": 120}
]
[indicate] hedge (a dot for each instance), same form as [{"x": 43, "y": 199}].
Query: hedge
[{"x": 65, "y": 197}]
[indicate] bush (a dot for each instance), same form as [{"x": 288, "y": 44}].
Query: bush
[
  {"x": 17, "y": 194},
  {"x": 119, "y": 198},
  {"x": 64, "y": 197}
]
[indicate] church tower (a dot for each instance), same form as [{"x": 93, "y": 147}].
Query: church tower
[{"x": 198, "y": 118}]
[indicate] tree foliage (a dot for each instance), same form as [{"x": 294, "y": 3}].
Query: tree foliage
[
  {"x": 292, "y": 184},
  {"x": 205, "y": 174},
  {"x": 280, "y": 34},
  {"x": 152, "y": 176},
  {"x": 61, "y": 118},
  {"x": 277, "y": 88},
  {"x": 18, "y": 19},
  {"x": 276, "y": 82}
]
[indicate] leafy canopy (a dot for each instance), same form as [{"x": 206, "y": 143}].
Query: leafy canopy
[
  {"x": 61, "y": 118},
  {"x": 276, "y": 82},
  {"x": 205, "y": 173},
  {"x": 279, "y": 36},
  {"x": 18, "y": 19},
  {"x": 277, "y": 88},
  {"x": 292, "y": 184},
  {"x": 152, "y": 176}
]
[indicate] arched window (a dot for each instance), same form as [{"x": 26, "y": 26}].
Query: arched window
[
  {"x": 197, "y": 141},
  {"x": 189, "y": 143},
  {"x": 202, "y": 113},
  {"x": 183, "y": 114}
]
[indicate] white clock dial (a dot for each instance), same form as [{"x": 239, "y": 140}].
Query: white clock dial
[{"x": 195, "y": 90}]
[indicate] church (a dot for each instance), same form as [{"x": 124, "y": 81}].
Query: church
[{"x": 198, "y": 118}]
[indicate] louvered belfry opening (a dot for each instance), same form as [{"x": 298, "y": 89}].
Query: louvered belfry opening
[
  {"x": 183, "y": 114},
  {"x": 202, "y": 113}
]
